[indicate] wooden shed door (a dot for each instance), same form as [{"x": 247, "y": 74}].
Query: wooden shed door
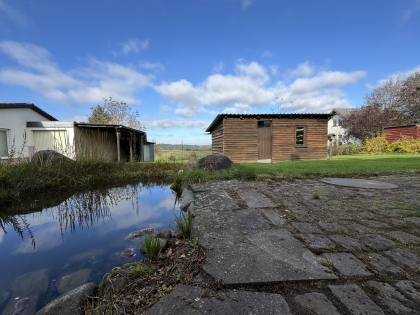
[{"x": 264, "y": 140}]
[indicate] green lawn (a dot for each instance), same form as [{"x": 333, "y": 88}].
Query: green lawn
[{"x": 346, "y": 166}]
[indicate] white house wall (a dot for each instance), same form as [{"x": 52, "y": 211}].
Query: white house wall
[{"x": 13, "y": 122}]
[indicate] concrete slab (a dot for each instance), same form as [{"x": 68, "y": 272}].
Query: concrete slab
[
  {"x": 403, "y": 237},
  {"x": 216, "y": 198},
  {"x": 316, "y": 303},
  {"x": 254, "y": 199},
  {"x": 189, "y": 300},
  {"x": 376, "y": 241},
  {"x": 411, "y": 289},
  {"x": 404, "y": 257},
  {"x": 390, "y": 297},
  {"x": 306, "y": 228},
  {"x": 358, "y": 183},
  {"x": 384, "y": 265},
  {"x": 275, "y": 216},
  {"x": 263, "y": 257},
  {"x": 347, "y": 264},
  {"x": 347, "y": 242},
  {"x": 317, "y": 241},
  {"x": 356, "y": 301}
]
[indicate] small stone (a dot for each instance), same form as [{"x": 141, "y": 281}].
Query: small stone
[
  {"x": 356, "y": 301},
  {"x": 166, "y": 234},
  {"x": 317, "y": 303},
  {"x": 347, "y": 264}
]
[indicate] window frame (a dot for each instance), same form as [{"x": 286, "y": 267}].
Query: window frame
[
  {"x": 305, "y": 132},
  {"x": 6, "y": 131}
]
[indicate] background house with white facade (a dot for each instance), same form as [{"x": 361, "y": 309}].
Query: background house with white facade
[
  {"x": 334, "y": 124},
  {"x": 26, "y": 129}
]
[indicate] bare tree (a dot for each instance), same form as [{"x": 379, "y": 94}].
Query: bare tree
[{"x": 410, "y": 97}]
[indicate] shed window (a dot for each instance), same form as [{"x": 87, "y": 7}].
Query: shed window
[
  {"x": 3, "y": 143},
  {"x": 300, "y": 135},
  {"x": 264, "y": 124}
]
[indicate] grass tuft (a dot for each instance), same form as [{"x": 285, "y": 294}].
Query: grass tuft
[
  {"x": 184, "y": 224},
  {"x": 152, "y": 247}
]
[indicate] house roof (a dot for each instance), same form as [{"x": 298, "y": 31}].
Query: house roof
[
  {"x": 220, "y": 117},
  {"x": 28, "y": 105},
  {"x": 343, "y": 112}
]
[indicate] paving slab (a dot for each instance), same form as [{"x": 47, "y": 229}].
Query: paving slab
[
  {"x": 317, "y": 241},
  {"x": 411, "y": 289},
  {"x": 391, "y": 298},
  {"x": 254, "y": 199},
  {"x": 376, "y": 241},
  {"x": 347, "y": 264},
  {"x": 404, "y": 257},
  {"x": 263, "y": 257},
  {"x": 355, "y": 300},
  {"x": 306, "y": 228},
  {"x": 375, "y": 224},
  {"x": 384, "y": 265},
  {"x": 317, "y": 303},
  {"x": 358, "y": 183},
  {"x": 415, "y": 220},
  {"x": 216, "y": 198},
  {"x": 404, "y": 237},
  {"x": 275, "y": 216},
  {"x": 347, "y": 242},
  {"x": 189, "y": 300}
]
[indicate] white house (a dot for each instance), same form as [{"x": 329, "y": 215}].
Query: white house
[
  {"x": 24, "y": 130},
  {"x": 13, "y": 133},
  {"x": 334, "y": 124}
]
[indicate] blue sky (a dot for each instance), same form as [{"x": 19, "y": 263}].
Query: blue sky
[{"x": 182, "y": 62}]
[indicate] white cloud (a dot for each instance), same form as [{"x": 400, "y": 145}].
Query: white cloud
[
  {"x": 267, "y": 54},
  {"x": 134, "y": 46},
  {"x": 165, "y": 109},
  {"x": 176, "y": 123},
  {"x": 246, "y": 3},
  {"x": 410, "y": 10},
  {"x": 250, "y": 87},
  {"x": 402, "y": 74},
  {"x": 13, "y": 14},
  {"x": 218, "y": 67},
  {"x": 157, "y": 66},
  {"x": 88, "y": 85},
  {"x": 304, "y": 69}
]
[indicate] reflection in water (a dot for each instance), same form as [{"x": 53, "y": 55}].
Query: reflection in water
[{"x": 81, "y": 209}]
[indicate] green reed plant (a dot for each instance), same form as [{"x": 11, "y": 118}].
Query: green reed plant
[
  {"x": 152, "y": 246},
  {"x": 184, "y": 224}
]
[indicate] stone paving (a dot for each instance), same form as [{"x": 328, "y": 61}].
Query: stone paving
[{"x": 306, "y": 247}]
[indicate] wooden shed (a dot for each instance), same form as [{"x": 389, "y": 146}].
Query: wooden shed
[
  {"x": 395, "y": 132},
  {"x": 270, "y": 137}
]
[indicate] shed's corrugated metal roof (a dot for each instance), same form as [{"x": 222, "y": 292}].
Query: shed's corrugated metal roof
[
  {"x": 220, "y": 117},
  {"x": 28, "y": 105}
]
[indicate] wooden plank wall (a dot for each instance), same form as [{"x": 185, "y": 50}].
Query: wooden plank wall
[
  {"x": 284, "y": 147},
  {"x": 240, "y": 139},
  {"x": 395, "y": 133},
  {"x": 217, "y": 139}
]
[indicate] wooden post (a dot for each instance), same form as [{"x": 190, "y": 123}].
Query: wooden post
[
  {"x": 131, "y": 147},
  {"x": 330, "y": 150},
  {"x": 118, "y": 133}
]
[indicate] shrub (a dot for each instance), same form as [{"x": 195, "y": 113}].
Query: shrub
[
  {"x": 376, "y": 145},
  {"x": 348, "y": 149},
  {"x": 192, "y": 155},
  {"x": 404, "y": 145}
]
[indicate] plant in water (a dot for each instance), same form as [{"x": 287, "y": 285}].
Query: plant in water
[
  {"x": 152, "y": 246},
  {"x": 184, "y": 224}
]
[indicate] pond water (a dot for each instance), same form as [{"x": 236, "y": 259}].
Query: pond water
[{"x": 43, "y": 241}]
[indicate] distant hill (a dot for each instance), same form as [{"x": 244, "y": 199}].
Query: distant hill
[{"x": 185, "y": 147}]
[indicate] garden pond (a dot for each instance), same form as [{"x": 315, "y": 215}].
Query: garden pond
[{"x": 50, "y": 245}]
